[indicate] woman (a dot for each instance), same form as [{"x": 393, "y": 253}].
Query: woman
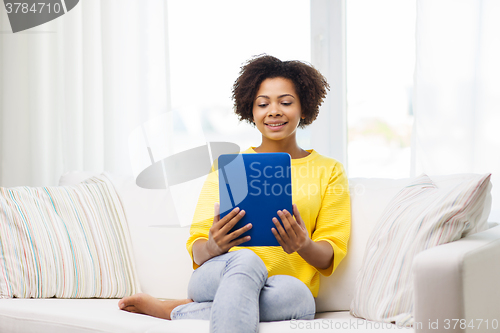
[{"x": 236, "y": 287}]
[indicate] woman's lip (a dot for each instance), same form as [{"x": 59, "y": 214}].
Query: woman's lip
[{"x": 275, "y": 128}]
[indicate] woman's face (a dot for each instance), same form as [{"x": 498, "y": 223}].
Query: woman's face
[{"x": 276, "y": 109}]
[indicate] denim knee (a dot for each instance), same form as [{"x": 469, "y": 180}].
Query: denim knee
[
  {"x": 303, "y": 294},
  {"x": 284, "y": 298},
  {"x": 246, "y": 262}
]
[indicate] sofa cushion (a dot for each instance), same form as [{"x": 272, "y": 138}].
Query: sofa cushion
[
  {"x": 103, "y": 315},
  {"x": 66, "y": 242},
  {"x": 163, "y": 264},
  {"x": 419, "y": 217},
  {"x": 369, "y": 198}
]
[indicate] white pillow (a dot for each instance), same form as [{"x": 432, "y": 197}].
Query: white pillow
[
  {"x": 65, "y": 241},
  {"x": 164, "y": 266},
  {"x": 369, "y": 197},
  {"x": 419, "y": 217}
]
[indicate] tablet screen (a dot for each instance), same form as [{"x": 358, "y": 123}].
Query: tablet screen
[{"x": 261, "y": 185}]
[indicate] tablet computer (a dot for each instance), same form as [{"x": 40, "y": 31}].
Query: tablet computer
[{"x": 260, "y": 184}]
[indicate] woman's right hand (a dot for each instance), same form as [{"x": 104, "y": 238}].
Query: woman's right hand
[{"x": 219, "y": 238}]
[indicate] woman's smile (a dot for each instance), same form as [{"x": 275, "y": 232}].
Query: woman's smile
[{"x": 276, "y": 126}]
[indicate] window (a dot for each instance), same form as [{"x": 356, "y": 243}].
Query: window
[
  {"x": 208, "y": 42},
  {"x": 380, "y": 46}
]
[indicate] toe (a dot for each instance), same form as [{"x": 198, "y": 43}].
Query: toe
[{"x": 129, "y": 301}]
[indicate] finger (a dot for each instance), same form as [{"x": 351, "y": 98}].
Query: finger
[
  {"x": 283, "y": 234},
  {"x": 216, "y": 213},
  {"x": 239, "y": 241},
  {"x": 278, "y": 237},
  {"x": 234, "y": 218},
  {"x": 228, "y": 217},
  {"x": 288, "y": 223},
  {"x": 296, "y": 213},
  {"x": 218, "y": 231},
  {"x": 237, "y": 233},
  {"x": 297, "y": 229}
]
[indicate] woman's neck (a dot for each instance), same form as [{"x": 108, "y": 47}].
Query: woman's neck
[{"x": 292, "y": 148}]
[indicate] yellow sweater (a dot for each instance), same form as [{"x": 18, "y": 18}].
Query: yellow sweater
[{"x": 321, "y": 193}]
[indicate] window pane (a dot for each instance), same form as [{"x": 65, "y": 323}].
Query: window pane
[
  {"x": 380, "y": 39},
  {"x": 208, "y": 42}
]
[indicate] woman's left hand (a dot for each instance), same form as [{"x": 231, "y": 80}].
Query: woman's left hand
[{"x": 294, "y": 236}]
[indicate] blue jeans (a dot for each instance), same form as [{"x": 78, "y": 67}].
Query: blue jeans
[{"x": 234, "y": 293}]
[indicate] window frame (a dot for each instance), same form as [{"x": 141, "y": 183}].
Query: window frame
[{"x": 328, "y": 55}]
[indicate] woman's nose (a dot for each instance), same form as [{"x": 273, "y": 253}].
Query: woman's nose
[{"x": 274, "y": 110}]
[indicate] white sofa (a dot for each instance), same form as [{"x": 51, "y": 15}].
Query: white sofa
[{"x": 458, "y": 280}]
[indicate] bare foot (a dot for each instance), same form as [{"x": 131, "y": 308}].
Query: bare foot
[{"x": 147, "y": 304}]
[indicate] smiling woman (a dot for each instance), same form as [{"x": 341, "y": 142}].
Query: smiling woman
[{"x": 236, "y": 285}]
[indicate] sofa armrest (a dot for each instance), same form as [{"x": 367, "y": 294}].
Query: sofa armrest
[{"x": 459, "y": 280}]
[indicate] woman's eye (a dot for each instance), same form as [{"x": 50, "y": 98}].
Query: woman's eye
[
  {"x": 262, "y": 105},
  {"x": 286, "y": 103}
]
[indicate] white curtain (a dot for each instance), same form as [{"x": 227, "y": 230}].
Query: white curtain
[
  {"x": 457, "y": 89},
  {"x": 74, "y": 89}
]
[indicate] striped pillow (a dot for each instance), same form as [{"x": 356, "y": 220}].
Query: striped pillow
[
  {"x": 419, "y": 217},
  {"x": 66, "y": 241}
]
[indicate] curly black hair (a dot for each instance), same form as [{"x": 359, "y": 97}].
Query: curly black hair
[{"x": 310, "y": 85}]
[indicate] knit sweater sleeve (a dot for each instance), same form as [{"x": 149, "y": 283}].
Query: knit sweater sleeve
[
  {"x": 333, "y": 223},
  {"x": 204, "y": 212}
]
